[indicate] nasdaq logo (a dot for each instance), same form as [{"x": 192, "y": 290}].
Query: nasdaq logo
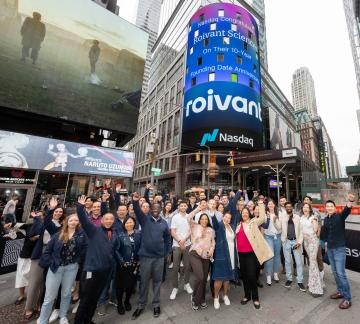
[{"x": 209, "y": 137}]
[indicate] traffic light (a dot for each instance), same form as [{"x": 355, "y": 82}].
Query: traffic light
[
  {"x": 197, "y": 157},
  {"x": 151, "y": 158},
  {"x": 232, "y": 162}
]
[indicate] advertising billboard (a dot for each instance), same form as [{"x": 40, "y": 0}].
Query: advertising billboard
[
  {"x": 222, "y": 83},
  {"x": 281, "y": 135},
  {"x": 71, "y": 60},
  {"x": 40, "y": 153}
]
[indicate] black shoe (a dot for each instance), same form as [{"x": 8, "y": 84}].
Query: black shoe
[
  {"x": 257, "y": 306},
  {"x": 74, "y": 301},
  {"x": 260, "y": 284},
  {"x": 288, "y": 283},
  {"x": 244, "y": 301},
  {"x": 156, "y": 311},
  {"x": 127, "y": 306},
  {"x": 238, "y": 282},
  {"x": 136, "y": 314},
  {"x": 19, "y": 301},
  {"x": 121, "y": 309},
  {"x": 302, "y": 287}
]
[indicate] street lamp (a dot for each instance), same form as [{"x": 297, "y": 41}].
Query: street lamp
[{"x": 208, "y": 175}]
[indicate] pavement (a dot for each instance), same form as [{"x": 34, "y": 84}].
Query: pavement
[{"x": 278, "y": 304}]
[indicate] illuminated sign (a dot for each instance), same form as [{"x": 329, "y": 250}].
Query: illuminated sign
[{"x": 222, "y": 83}]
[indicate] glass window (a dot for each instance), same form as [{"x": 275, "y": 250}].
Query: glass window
[
  {"x": 254, "y": 68},
  {"x": 221, "y": 12},
  {"x": 189, "y": 28},
  {"x": 206, "y": 41},
  {"x": 234, "y": 27},
  {"x": 193, "y": 82},
  {"x": 199, "y": 61},
  {"x": 234, "y": 77},
  {"x": 213, "y": 26},
  {"x": 249, "y": 34},
  {"x": 220, "y": 57},
  {"x": 253, "y": 26},
  {"x": 196, "y": 33},
  {"x": 191, "y": 50},
  {"x": 226, "y": 40},
  {"x": 251, "y": 84},
  {"x": 238, "y": 16},
  {"x": 246, "y": 46},
  {"x": 212, "y": 76},
  {"x": 201, "y": 17},
  {"x": 238, "y": 60},
  {"x": 187, "y": 70}
]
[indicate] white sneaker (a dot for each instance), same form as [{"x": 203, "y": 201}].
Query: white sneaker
[
  {"x": 226, "y": 300},
  {"x": 171, "y": 265},
  {"x": 188, "y": 288},
  {"x": 63, "y": 320},
  {"x": 54, "y": 316},
  {"x": 276, "y": 277},
  {"x": 181, "y": 264},
  {"x": 173, "y": 293},
  {"x": 208, "y": 278},
  {"x": 216, "y": 303},
  {"x": 178, "y": 276},
  {"x": 268, "y": 280},
  {"x": 74, "y": 310}
]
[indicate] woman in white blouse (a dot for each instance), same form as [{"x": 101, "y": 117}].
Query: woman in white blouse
[{"x": 309, "y": 224}]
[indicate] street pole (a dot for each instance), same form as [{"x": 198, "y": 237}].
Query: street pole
[
  {"x": 208, "y": 180},
  {"x": 277, "y": 183}
]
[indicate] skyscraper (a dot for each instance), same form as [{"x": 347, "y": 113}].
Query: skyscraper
[
  {"x": 352, "y": 14},
  {"x": 148, "y": 18},
  {"x": 303, "y": 91},
  {"x": 110, "y": 5}
]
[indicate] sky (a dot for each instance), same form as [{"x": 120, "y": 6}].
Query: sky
[{"x": 312, "y": 34}]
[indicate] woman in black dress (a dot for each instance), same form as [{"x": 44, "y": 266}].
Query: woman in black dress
[{"x": 127, "y": 258}]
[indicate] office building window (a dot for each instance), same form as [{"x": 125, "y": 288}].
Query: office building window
[
  {"x": 202, "y": 17},
  {"x": 193, "y": 82},
  {"x": 206, "y": 41},
  {"x": 226, "y": 40},
  {"x": 254, "y": 68},
  {"x": 238, "y": 16},
  {"x": 220, "y": 57},
  {"x": 251, "y": 84},
  {"x": 212, "y": 76},
  {"x": 249, "y": 34},
  {"x": 189, "y": 28},
  {"x": 234, "y": 77},
  {"x": 196, "y": 33},
  {"x": 191, "y": 50},
  {"x": 199, "y": 61},
  {"x": 213, "y": 26},
  {"x": 221, "y": 12},
  {"x": 238, "y": 60},
  {"x": 246, "y": 46},
  {"x": 187, "y": 70},
  {"x": 234, "y": 27}
]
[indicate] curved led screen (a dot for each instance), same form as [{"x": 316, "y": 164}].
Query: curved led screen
[{"x": 222, "y": 84}]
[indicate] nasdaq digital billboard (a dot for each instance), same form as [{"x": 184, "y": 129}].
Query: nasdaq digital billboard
[
  {"x": 72, "y": 60},
  {"x": 222, "y": 83}
]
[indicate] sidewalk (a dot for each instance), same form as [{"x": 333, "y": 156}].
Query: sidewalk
[{"x": 278, "y": 304}]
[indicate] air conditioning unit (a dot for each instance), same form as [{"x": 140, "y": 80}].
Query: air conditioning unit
[
  {"x": 149, "y": 148},
  {"x": 152, "y": 138}
]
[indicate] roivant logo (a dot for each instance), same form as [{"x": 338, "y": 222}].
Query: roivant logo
[{"x": 226, "y": 138}]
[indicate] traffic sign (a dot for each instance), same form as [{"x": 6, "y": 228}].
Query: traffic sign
[
  {"x": 156, "y": 174},
  {"x": 156, "y": 170}
]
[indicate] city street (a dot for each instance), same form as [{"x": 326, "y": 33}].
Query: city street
[{"x": 278, "y": 305}]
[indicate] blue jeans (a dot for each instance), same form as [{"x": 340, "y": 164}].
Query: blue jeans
[
  {"x": 337, "y": 258},
  {"x": 10, "y": 218},
  {"x": 287, "y": 248},
  {"x": 102, "y": 299},
  {"x": 64, "y": 276},
  {"x": 273, "y": 264}
]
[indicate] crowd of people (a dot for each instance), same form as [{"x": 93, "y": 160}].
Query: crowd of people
[{"x": 107, "y": 246}]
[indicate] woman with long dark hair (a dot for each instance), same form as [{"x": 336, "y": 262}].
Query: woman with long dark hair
[
  {"x": 167, "y": 215},
  {"x": 252, "y": 249},
  {"x": 63, "y": 254},
  {"x": 309, "y": 224},
  {"x": 201, "y": 251},
  {"x": 126, "y": 255},
  {"x": 273, "y": 238}
]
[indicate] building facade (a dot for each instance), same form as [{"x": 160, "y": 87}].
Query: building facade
[
  {"x": 303, "y": 91},
  {"x": 309, "y": 136},
  {"x": 352, "y": 14},
  {"x": 147, "y": 19},
  {"x": 162, "y": 108}
]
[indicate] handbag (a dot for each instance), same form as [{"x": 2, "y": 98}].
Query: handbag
[{"x": 325, "y": 258}]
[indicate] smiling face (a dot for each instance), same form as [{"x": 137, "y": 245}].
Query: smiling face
[
  {"x": 245, "y": 215},
  {"x": 107, "y": 220},
  {"x": 203, "y": 205},
  {"x": 58, "y": 212},
  {"x": 225, "y": 200},
  {"x": 182, "y": 207},
  {"x": 226, "y": 219},
  {"x": 168, "y": 207},
  {"x": 330, "y": 208},
  {"x": 289, "y": 208},
  {"x": 203, "y": 221},
  {"x": 305, "y": 209},
  {"x": 271, "y": 206},
  {"x": 221, "y": 208},
  {"x": 145, "y": 207},
  {"x": 129, "y": 225},
  {"x": 155, "y": 210},
  {"x": 88, "y": 203},
  {"x": 250, "y": 205},
  {"x": 202, "y": 195},
  {"x": 96, "y": 209},
  {"x": 121, "y": 212},
  {"x": 73, "y": 221},
  {"x": 257, "y": 211}
]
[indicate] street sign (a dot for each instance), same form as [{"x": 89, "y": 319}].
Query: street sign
[
  {"x": 156, "y": 174},
  {"x": 156, "y": 170}
]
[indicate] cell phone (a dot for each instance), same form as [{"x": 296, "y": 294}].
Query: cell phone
[{"x": 294, "y": 247}]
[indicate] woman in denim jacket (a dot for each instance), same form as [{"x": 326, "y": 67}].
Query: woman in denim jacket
[{"x": 126, "y": 255}]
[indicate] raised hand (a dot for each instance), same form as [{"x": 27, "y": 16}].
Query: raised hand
[
  {"x": 53, "y": 203},
  {"x": 350, "y": 197},
  {"x": 82, "y": 199},
  {"x": 136, "y": 197},
  {"x": 105, "y": 196},
  {"x": 118, "y": 187},
  {"x": 148, "y": 186}
]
